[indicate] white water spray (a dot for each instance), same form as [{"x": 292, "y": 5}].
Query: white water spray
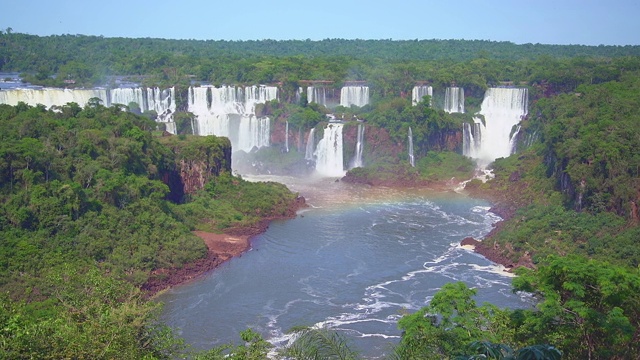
[
  {"x": 357, "y": 157},
  {"x": 412, "y": 160},
  {"x": 308, "y": 154},
  {"x": 148, "y": 99},
  {"x": 52, "y": 96},
  {"x": 317, "y": 95},
  {"x": 286, "y": 140},
  {"x": 230, "y": 111},
  {"x": 354, "y": 95},
  {"x": 419, "y": 92},
  {"x": 454, "y": 100},
  {"x": 329, "y": 152},
  {"x": 162, "y": 102},
  {"x": 502, "y": 108}
]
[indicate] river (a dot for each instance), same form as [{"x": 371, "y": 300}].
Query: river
[{"x": 355, "y": 261}]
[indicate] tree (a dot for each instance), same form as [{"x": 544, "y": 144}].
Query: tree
[
  {"x": 448, "y": 323},
  {"x": 319, "y": 344},
  {"x": 486, "y": 350},
  {"x": 589, "y": 308}
]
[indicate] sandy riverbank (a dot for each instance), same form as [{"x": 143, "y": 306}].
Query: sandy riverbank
[{"x": 221, "y": 247}]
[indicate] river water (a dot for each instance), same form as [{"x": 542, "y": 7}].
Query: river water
[{"x": 355, "y": 261}]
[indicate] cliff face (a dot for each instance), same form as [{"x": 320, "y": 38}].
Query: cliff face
[
  {"x": 297, "y": 137},
  {"x": 449, "y": 140},
  {"x": 196, "y": 160},
  {"x": 377, "y": 143}
]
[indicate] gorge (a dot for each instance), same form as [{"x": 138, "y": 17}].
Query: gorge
[
  {"x": 223, "y": 144},
  {"x": 354, "y": 261}
]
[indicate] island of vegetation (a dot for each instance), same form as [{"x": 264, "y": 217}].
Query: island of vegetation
[{"x": 101, "y": 208}]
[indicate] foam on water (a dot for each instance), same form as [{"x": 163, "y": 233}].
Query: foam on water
[{"x": 354, "y": 264}]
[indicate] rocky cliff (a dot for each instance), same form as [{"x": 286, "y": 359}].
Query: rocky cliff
[{"x": 196, "y": 159}]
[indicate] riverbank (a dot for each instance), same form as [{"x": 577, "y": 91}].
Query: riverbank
[
  {"x": 221, "y": 247},
  {"x": 506, "y": 200},
  {"x": 505, "y": 205}
]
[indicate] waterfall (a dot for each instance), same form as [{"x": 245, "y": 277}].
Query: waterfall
[
  {"x": 308, "y": 154},
  {"x": 412, "y": 160},
  {"x": 357, "y": 157},
  {"x": 230, "y": 111},
  {"x": 513, "y": 141},
  {"x": 454, "y": 100},
  {"x": 299, "y": 95},
  {"x": 472, "y": 138},
  {"x": 502, "y": 108},
  {"x": 329, "y": 152},
  {"x": 419, "y": 92},
  {"x": 286, "y": 134},
  {"x": 128, "y": 95},
  {"x": 530, "y": 139},
  {"x": 52, "y": 96},
  {"x": 354, "y": 95},
  {"x": 160, "y": 101},
  {"x": 317, "y": 95}
]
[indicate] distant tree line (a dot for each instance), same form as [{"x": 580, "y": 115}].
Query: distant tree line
[{"x": 390, "y": 67}]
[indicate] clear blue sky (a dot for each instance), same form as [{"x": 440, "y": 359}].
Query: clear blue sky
[{"x": 586, "y": 22}]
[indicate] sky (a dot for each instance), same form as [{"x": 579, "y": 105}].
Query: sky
[{"x": 583, "y": 22}]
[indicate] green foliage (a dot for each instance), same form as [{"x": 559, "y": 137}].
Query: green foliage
[
  {"x": 305, "y": 117},
  {"x": 448, "y": 323},
  {"x": 384, "y": 172},
  {"x": 587, "y": 307},
  {"x": 591, "y": 145},
  {"x": 434, "y": 167},
  {"x": 488, "y": 350},
  {"x": 84, "y": 222},
  {"x": 228, "y": 201},
  {"x": 439, "y": 166},
  {"x": 544, "y": 229},
  {"x": 319, "y": 344},
  {"x": 430, "y": 127},
  {"x": 87, "y": 315},
  {"x": 390, "y": 67},
  {"x": 254, "y": 348}
]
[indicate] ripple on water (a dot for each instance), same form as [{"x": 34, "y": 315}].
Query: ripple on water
[{"x": 358, "y": 259}]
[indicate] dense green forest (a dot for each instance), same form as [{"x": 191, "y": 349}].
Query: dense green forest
[
  {"x": 89, "y": 210},
  {"x": 390, "y": 67},
  {"x": 85, "y": 222}
]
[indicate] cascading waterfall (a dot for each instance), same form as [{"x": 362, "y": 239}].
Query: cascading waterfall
[
  {"x": 230, "y": 111},
  {"x": 513, "y": 141},
  {"x": 502, "y": 108},
  {"x": 317, "y": 95},
  {"x": 412, "y": 160},
  {"x": 125, "y": 96},
  {"x": 52, "y": 96},
  {"x": 286, "y": 134},
  {"x": 329, "y": 152},
  {"x": 472, "y": 138},
  {"x": 530, "y": 139},
  {"x": 419, "y": 92},
  {"x": 354, "y": 95},
  {"x": 308, "y": 154},
  {"x": 357, "y": 157},
  {"x": 299, "y": 95},
  {"x": 454, "y": 100},
  {"x": 160, "y": 101}
]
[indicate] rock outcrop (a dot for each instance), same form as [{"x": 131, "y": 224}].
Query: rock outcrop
[{"x": 196, "y": 159}]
